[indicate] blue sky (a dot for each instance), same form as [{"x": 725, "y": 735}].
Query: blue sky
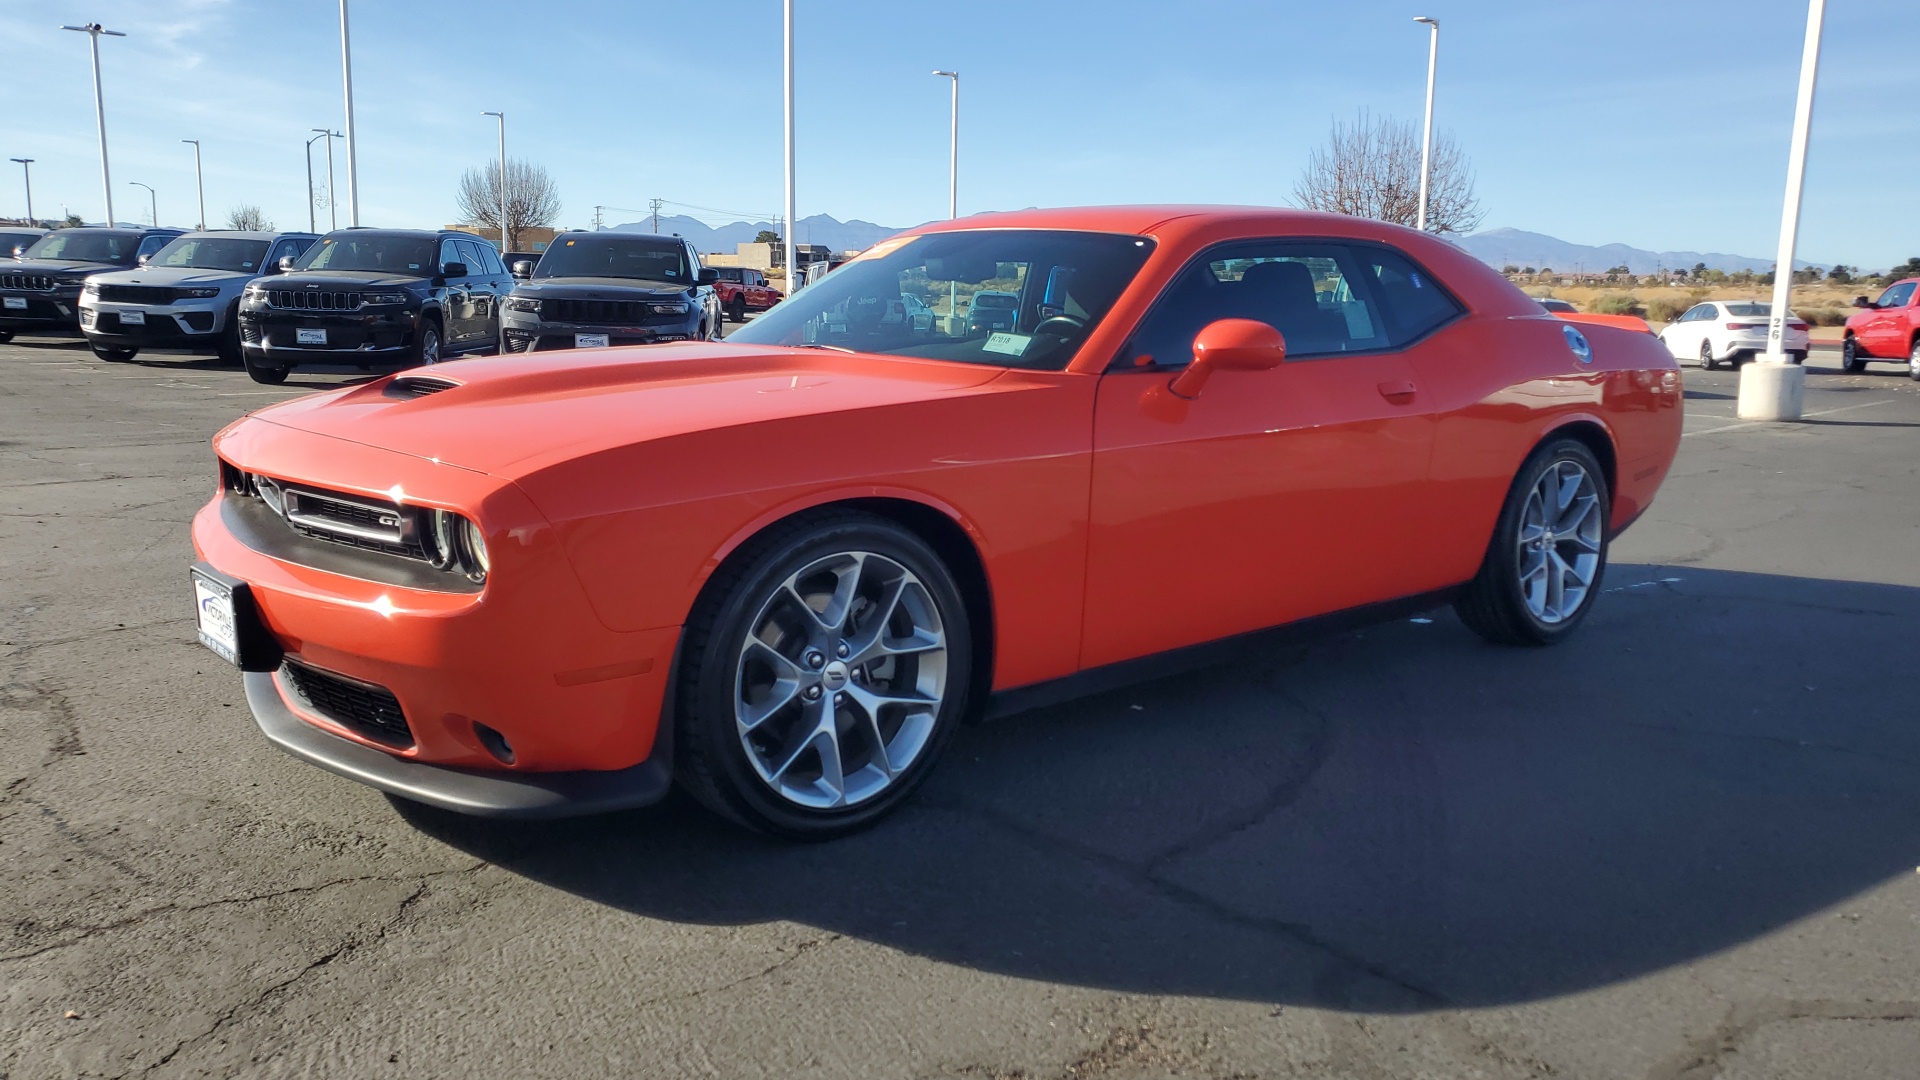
[{"x": 1659, "y": 124}]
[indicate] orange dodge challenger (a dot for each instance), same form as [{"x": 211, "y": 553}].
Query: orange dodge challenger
[{"x": 781, "y": 569}]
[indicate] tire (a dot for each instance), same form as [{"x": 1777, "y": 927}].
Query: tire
[
  {"x": 745, "y": 751},
  {"x": 1707, "y": 359},
  {"x": 113, "y": 354},
  {"x": 229, "y": 347},
  {"x": 1799, "y": 356},
  {"x": 5, "y": 336},
  {"x": 261, "y": 372},
  {"x": 737, "y": 308},
  {"x": 427, "y": 345},
  {"x": 1501, "y": 604},
  {"x": 1913, "y": 360},
  {"x": 1852, "y": 360}
]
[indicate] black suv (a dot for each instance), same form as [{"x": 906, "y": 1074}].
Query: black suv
[
  {"x": 375, "y": 298},
  {"x": 40, "y": 291},
  {"x": 595, "y": 289}
]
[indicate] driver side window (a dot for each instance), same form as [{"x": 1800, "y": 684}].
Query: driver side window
[
  {"x": 1897, "y": 296},
  {"x": 449, "y": 253},
  {"x": 1303, "y": 290}
]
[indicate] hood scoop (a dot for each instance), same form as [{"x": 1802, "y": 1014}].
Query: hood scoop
[{"x": 408, "y": 387}]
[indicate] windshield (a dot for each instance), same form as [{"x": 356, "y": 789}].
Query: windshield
[
  {"x": 357, "y": 251},
  {"x": 85, "y": 246},
  {"x": 617, "y": 257},
  {"x": 1046, "y": 291},
  {"x": 212, "y": 253}
]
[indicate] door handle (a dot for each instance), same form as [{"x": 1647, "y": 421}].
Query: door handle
[{"x": 1399, "y": 391}]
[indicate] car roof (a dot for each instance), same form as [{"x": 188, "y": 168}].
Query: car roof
[{"x": 249, "y": 234}]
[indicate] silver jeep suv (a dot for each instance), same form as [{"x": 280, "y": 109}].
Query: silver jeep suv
[{"x": 184, "y": 296}]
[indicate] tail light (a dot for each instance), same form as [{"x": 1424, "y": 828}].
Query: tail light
[{"x": 1796, "y": 324}]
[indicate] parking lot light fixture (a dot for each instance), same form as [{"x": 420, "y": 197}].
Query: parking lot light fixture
[
  {"x": 502, "y": 117},
  {"x": 953, "y": 149},
  {"x": 199, "y": 182},
  {"x": 153, "y": 199},
  {"x": 792, "y": 257},
  {"x": 312, "y": 224},
  {"x": 353, "y": 167},
  {"x": 1426, "y": 140},
  {"x": 93, "y": 32},
  {"x": 1772, "y": 386},
  {"x": 26, "y": 169}
]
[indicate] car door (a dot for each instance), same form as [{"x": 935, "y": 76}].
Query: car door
[
  {"x": 1683, "y": 337},
  {"x": 457, "y": 309},
  {"x": 1273, "y": 495},
  {"x": 1883, "y": 333},
  {"x": 489, "y": 285}
]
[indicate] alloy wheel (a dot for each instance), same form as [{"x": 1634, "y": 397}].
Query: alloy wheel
[
  {"x": 840, "y": 680},
  {"x": 429, "y": 346},
  {"x": 1559, "y": 542}
]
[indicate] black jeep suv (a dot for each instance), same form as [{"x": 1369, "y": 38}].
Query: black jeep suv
[
  {"x": 375, "y": 298},
  {"x": 40, "y": 291},
  {"x": 596, "y": 289}
]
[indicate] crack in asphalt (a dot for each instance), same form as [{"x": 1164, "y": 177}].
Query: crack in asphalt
[
  {"x": 1703, "y": 1056},
  {"x": 18, "y": 649}
]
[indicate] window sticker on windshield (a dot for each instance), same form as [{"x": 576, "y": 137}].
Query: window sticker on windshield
[
  {"x": 1008, "y": 344},
  {"x": 413, "y": 266}
]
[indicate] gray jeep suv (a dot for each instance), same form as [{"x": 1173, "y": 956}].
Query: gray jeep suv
[{"x": 185, "y": 296}]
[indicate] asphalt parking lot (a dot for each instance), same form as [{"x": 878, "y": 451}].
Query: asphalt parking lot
[{"x": 1683, "y": 845}]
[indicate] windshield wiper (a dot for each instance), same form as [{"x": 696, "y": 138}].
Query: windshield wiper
[{"x": 835, "y": 348}]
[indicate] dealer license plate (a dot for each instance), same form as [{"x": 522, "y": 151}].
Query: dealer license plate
[
  {"x": 16, "y": 303},
  {"x": 590, "y": 341},
  {"x": 309, "y": 337},
  {"x": 133, "y": 318},
  {"x": 219, "y": 626}
]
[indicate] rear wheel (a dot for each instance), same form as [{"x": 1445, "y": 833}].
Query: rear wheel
[
  {"x": 821, "y": 676},
  {"x": 1549, "y": 550},
  {"x": 1852, "y": 360},
  {"x": 112, "y": 353},
  {"x": 737, "y": 308},
  {"x": 229, "y": 347},
  {"x": 262, "y": 372},
  {"x": 1707, "y": 359}
]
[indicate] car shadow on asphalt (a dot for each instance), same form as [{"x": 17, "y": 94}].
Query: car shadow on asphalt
[{"x": 1399, "y": 819}]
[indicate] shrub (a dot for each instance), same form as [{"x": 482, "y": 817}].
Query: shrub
[
  {"x": 1667, "y": 308},
  {"x": 1825, "y": 316},
  {"x": 1617, "y": 304}
]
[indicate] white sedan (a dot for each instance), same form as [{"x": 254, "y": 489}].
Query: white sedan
[{"x": 1729, "y": 331}]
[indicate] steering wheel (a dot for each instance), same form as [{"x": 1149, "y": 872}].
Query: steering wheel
[{"x": 1060, "y": 326}]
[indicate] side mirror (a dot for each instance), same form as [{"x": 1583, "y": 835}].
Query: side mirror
[
  {"x": 1861, "y": 301},
  {"x": 286, "y": 263},
  {"x": 523, "y": 268},
  {"x": 144, "y": 259},
  {"x": 708, "y": 275},
  {"x": 454, "y": 269},
  {"x": 1229, "y": 345}
]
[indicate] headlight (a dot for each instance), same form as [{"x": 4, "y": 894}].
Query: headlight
[
  {"x": 476, "y": 545},
  {"x": 523, "y": 303},
  {"x": 92, "y": 288},
  {"x": 198, "y": 294},
  {"x": 668, "y": 309},
  {"x": 256, "y": 292},
  {"x": 383, "y": 298},
  {"x": 456, "y": 543}
]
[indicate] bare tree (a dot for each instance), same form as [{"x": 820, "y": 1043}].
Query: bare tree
[
  {"x": 532, "y": 199},
  {"x": 1371, "y": 168},
  {"x": 248, "y": 218}
]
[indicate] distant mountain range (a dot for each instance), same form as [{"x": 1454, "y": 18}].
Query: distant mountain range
[
  {"x": 836, "y": 235},
  {"x": 1517, "y": 247}
]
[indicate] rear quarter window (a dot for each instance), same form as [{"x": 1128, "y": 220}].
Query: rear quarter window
[{"x": 1413, "y": 303}]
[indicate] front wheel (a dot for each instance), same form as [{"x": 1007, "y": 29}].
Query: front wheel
[
  {"x": 737, "y": 309},
  {"x": 822, "y": 673},
  {"x": 1852, "y": 360},
  {"x": 5, "y": 336},
  {"x": 1913, "y": 361},
  {"x": 261, "y": 372},
  {"x": 229, "y": 348},
  {"x": 1549, "y": 550},
  {"x": 113, "y": 354}
]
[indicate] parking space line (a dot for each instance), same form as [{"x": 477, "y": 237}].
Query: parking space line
[{"x": 1764, "y": 423}]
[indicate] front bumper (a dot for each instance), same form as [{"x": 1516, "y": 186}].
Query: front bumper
[
  {"x": 526, "y": 333},
  {"x": 56, "y": 312},
  {"x": 1794, "y": 342},
  {"x": 365, "y": 338},
  {"x": 194, "y": 324},
  {"x": 525, "y": 656}
]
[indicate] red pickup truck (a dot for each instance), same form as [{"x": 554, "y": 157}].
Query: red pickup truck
[
  {"x": 742, "y": 290},
  {"x": 1888, "y": 329}
]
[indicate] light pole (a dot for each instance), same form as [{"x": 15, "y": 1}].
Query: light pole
[
  {"x": 93, "y": 32},
  {"x": 953, "y": 149},
  {"x": 333, "y": 212},
  {"x": 26, "y": 169},
  {"x": 792, "y": 255},
  {"x": 199, "y": 183},
  {"x": 312, "y": 225},
  {"x": 151, "y": 196},
  {"x": 502, "y": 117},
  {"x": 1772, "y": 387},
  {"x": 353, "y": 168},
  {"x": 1426, "y": 141}
]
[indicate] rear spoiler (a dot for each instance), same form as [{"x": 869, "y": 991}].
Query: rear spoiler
[{"x": 1625, "y": 322}]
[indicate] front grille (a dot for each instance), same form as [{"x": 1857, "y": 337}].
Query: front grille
[
  {"x": 138, "y": 294},
  {"x": 601, "y": 312},
  {"x": 349, "y": 519},
  {"x": 249, "y": 332},
  {"x": 313, "y": 299},
  {"x": 27, "y": 282},
  {"x": 108, "y": 322},
  {"x": 363, "y": 708}
]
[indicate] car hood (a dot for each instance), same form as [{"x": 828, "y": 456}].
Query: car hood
[
  {"x": 341, "y": 279},
  {"x": 171, "y": 276},
  {"x": 514, "y": 415},
  {"x": 599, "y": 288},
  {"x": 55, "y": 266}
]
